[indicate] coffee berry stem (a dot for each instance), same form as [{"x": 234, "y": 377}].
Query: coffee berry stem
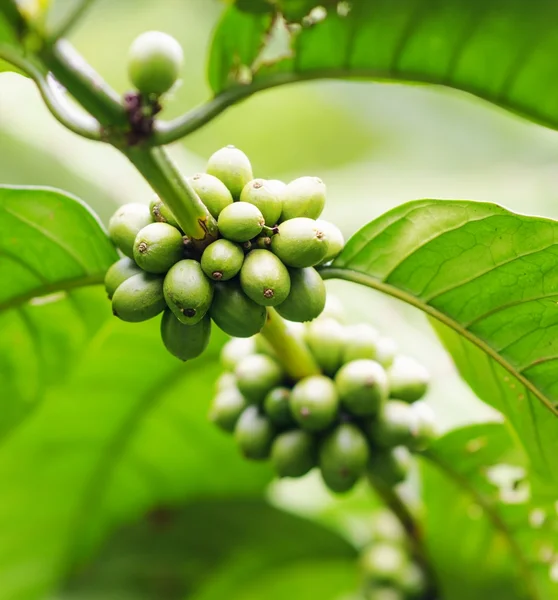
[{"x": 291, "y": 351}]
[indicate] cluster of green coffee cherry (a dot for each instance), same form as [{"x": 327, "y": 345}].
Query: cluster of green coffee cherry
[
  {"x": 388, "y": 570},
  {"x": 270, "y": 242},
  {"x": 360, "y": 416}
]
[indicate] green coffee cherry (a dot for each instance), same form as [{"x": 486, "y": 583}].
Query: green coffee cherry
[
  {"x": 386, "y": 349},
  {"x": 235, "y": 350},
  {"x": 188, "y": 292},
  {"x": 307, "y": 297},
  {"x": 256, "y": 375},
  {"x": 161, "y": 213},
  {"x": 277, "y": 407},
  {"x": 384, "y": 563},
  {"x": 361, "y": 342},
  {"x": 184, "y": 341},
  {"x": 222, "y": 260},
  {"x": 139, "y": 298},
  {"x": 334, "y": 238},
  {"x": 157, "y": 247},
  {"x": 299, "y": 243},
  {"x": 426, "y": 429},
  {"x": 232, "y": 167},
  {"x": 343, "y": 457},
  {"x": 413, "y": 584},
  {"x": 304, "y": 197},
  {"x": 394, "y": 426},
  {"x": 265, "y": 197},
  {"x": 254, "y": 434},
  {"x": 279, "y": 187},
  {"x": 118, "y": 273},
  {"x": 362, "y": 386},
  {"x": 408, "y": 379},
  {"x": 293, "y": 453},
  {"x": 264, "y": 278},
  {"x": 326, "y": 340},
  {"x": 389, "y": 467},
  {"x": 225, "y": 381},
  {"x": 125, "y": 224},
  {"x": 381, "y": 592},
  {"x": 226, "y": 408},
  {"x": 240, "y": 222},
  {"x": 154, "y": 62},
  {"x": 212, "y": 192},
  {"x": 314, "y": 402},
  {"x": 234, "y": 312}
]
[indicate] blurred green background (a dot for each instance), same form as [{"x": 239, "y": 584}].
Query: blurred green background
[{"x": 375, "y": 146}]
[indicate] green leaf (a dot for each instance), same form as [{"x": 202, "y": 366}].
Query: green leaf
[
  {"x": 214, "y": 549},
  {"x": 500, "y": 50},
  {"x": 492, "y": 277},
  {"x": 505, "y": 541},
  {"x": 49, "y": 242},
  {"x": 128, "y": 431}
]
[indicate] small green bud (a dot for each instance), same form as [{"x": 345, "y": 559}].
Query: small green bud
[
  {"x": 256, "y": 375},
  {"x": 394, "y": 426},
  {"x": 118, "y": 273},
  {"x": 390, "y": 467},
  {"x": 408, "y": 379},
  {"x": 125, "y": 224},
  {"x": 139, "y": 298},
  {"x": 265, "y": 197},
  {"x": 154, "y": 62},
  {"x": 314, "y": 402},
  {"x": 386, "y": 349},
  {"x": 188, "y": 292},
  {"x": 304, "y": 197},
  {"x": 161, "y": 213},
  {"x": 293, "y": 453},
  {"x": 277, "y": 407},
  {"x": 235, "y": 350},
  {"x": 264, "y": 278},
  {"x": 384, "y": 563},
  {"x": 343, "y": 457},
  {"x": 326, "y": 340},
  {"x": 232, "y": 167},
  {"x": 184, "y": 341},
  {"x": 362, "y": 386},
  {"x": 361, "y": 342},
  {"x": 254, "y": 434},
  {"x": 157, "y": 247},
  {"x": 212, "y": 192},
  {"x": 226, "y": 408},
  {"x": 334, "y": 238},
  {"x": 222, "y": 260},
  {"x": 299, "y": 243},
  {"x": 240, "y": 222},
  {"x": 306, "y": 299},
  {"x": 235, "y": 313}
]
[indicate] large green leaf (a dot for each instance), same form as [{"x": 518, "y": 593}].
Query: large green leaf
[
  {"x": 492, "y": 277},
  {"x": 49, "y": 242},
  {"x": 484, "y": 539},
  {"x": 213, "y": 549},
  {"x": 129, "y": 430},
  {"x": 500, "y": 50}
]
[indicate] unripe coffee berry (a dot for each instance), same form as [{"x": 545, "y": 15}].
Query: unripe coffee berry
[
  {"x": 326, "y": 339},
  {"x": 408, "y": 379},
  {"x": 139, "y": 298},
  {"x": 386, "y": 350},
  {"x": 314, "y": 402},
  {"x": 157, "y": 247},
  {"x": 395, "y": 425},
  {"x": 188, "y": 292},
  {"x": 426, "y": 429},
  {"x": 264, "y": 196},
  {"x": 264, "y": 278},
  {"x": 240, "y": 222},
  {"x": 334, "y": 238},
  {"x": 235, "y": 350},
  {"x": 361, "y": 342},
  {"x": 222, "y": 260},
  {"x": 307, "y": 297},
  {"x": 362, "y": 386},
  {"x": 125, "y": 224},
  {"x": 161, "y": 213},
  {"x": 254, "y": 434},
  {"x": 384, "y": 562},
  {"x": 293, "y": 453},
  {"x": 299, "y": 243},
  {"x": 232, "y": 167},
  {"x": 389, "y": 467},
  {"x": 118, "y": 273},
  {"x": 185, "y": 341},
  {"x": 277, "y": 407},
  {"x": 235, "y": 313},
  {"x": 212, "y": 192},
  {"x": 154, "y": 62},
  {"x": 304, "y": 197},
  {"x": 256, "y": 375},
  {"x": 226, "y": 408}
]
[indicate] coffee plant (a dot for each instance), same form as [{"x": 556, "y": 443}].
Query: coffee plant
[{"x": 134, "y": 460}]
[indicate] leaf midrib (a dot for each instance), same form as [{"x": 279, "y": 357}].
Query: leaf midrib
[{"x": 386, "y": 288}]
